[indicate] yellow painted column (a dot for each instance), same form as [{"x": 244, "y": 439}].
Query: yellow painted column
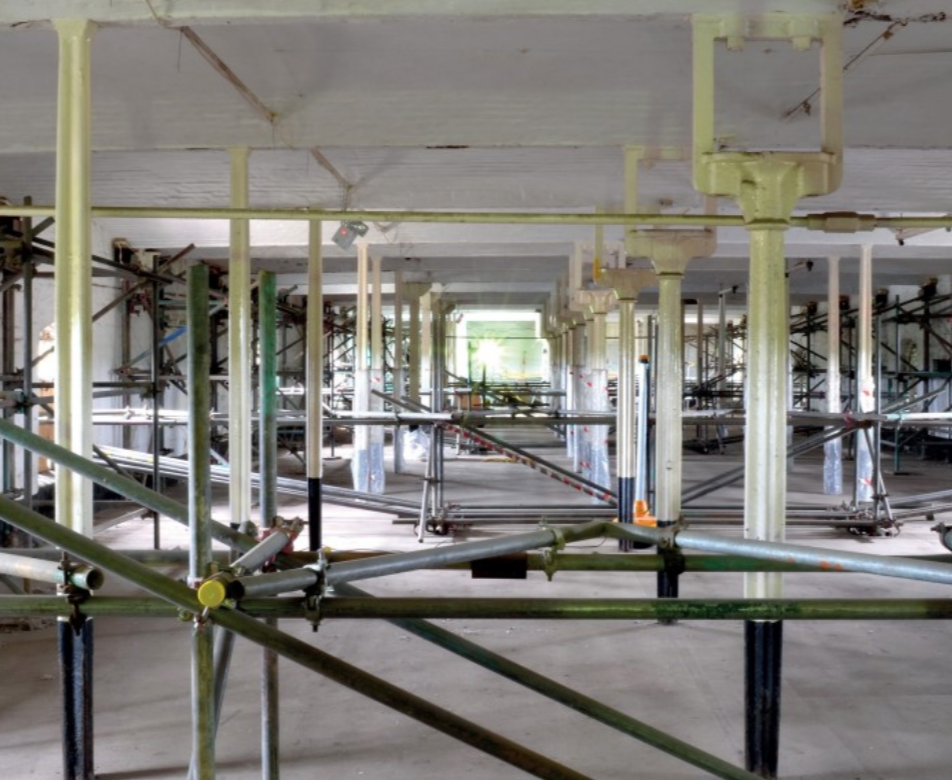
[
  {"x": 73, "y": 277},
  {"x": 239, "y": 346}
]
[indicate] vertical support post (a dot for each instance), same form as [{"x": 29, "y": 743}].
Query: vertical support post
[
  {"x": 438, "y": 313},
  {"x": 374, "y": 402},
  {"x": 701, "y": 366},
  {"x": 76, "y": 672},
  {"x": 9, "y": 369},
  {"x": 156, "y": 389},
  {"x": 426, "y": 346},
  {"x": 765, "y": 486},
  {"x": 576, "y": 378},
  {"x": 314, "y": 378},
  {"x": 28, "y": 356},
  {"x": 627, "y": 410},
  {"x": 360, "y": 464},
  {"x": 398, "y": 360},
  {"x": 626, "y": 285},
  {"x": 643, "y": 428},
  {"x": 413, "y": 388},
  {"x": 73, "y": 277},
  {"x": 199, "y": 502},
  {"x": 595, "y": 388},
  {"x": 268, "y": 456},
  {"x": 833, "y": 450},
  {"x": 570, "y": 368},
  {"x": 668, "y": 403},
  {"x": 267, "y": 397},
  {"x": 865, "y": 384},
  {"x": 239, "y": 346},
  {"x": 73, "y": 390}
]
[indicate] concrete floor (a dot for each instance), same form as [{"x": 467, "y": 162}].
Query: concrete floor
[{"x": 861, "y": 701}]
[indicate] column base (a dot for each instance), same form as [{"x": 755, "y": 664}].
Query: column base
[
  {"x": 314, "y": 514},
  {"x": 626, "y": 513},
  {"x": 76, "y": 670},
  {"x": 763, "y": 648}
]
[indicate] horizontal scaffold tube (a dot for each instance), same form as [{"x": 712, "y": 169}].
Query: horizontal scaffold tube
[
  {"x": 80, "y": 576},
  {"x": 396, "y": 563},
  {"x": 834, "y": 560},
  {"x": 536, "y": 561},
  {"x": 344, "y": 607},
  {"x": 636, "y": 609}
]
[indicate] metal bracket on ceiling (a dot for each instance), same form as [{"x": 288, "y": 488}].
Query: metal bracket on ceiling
[{"x": 795, "y": 174}]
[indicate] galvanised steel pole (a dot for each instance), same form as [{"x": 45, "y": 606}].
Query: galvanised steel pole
[
  {"x": 626, "y": 284},
  {"x": 314, "y": 378},
  {"x": 395, "y": 563},
  {"x": 198, "y": 361},
  {"x": 268, "y": 454},
  {"x": 80, "y": 576},
  {"x": 239, "y": 346},
  {"x": 924, "y": 570},
  {"x": 398, "y": 360}
]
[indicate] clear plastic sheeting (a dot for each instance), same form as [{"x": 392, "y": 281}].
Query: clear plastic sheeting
[
  {"x": 593, "y": 440},
  {"x": 833, "y": 467},
  {"x": 376, "y": 472},
  {"x": 367, "y": 463},
  {"x": 416, "y": 445}
]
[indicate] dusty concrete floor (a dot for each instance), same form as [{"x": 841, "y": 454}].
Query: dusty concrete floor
[{"x": 861, "y": 701}]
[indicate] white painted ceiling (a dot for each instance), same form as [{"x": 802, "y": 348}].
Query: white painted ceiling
[{"x": 472, "y": 104}]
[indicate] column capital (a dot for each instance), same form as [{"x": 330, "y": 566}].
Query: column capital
[
  {"x": 626, "y": 283},
  {"x": 595, "y": 302},
  {"x": 670, "y": 251}
]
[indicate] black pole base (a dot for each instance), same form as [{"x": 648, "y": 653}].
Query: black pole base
[
  {"x": 668, "y": 577},
  {"x": 626, "y": 513},
  {"x": 314, "y": 519},
  {"x": 763, "y": 648},
  {"x": 76, "y": 672}
]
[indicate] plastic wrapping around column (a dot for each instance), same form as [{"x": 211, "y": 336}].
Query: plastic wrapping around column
[
  {"x": 595, "y": 437},
  {"x": 865, "y": 382},
  {"x": 568, "y": 383},
  {"x": 577, "y": 377},
  {"x": 833, "y": 450},
  {"x": 765, "y": 440},
  {"x": 375, "y": 438}
]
